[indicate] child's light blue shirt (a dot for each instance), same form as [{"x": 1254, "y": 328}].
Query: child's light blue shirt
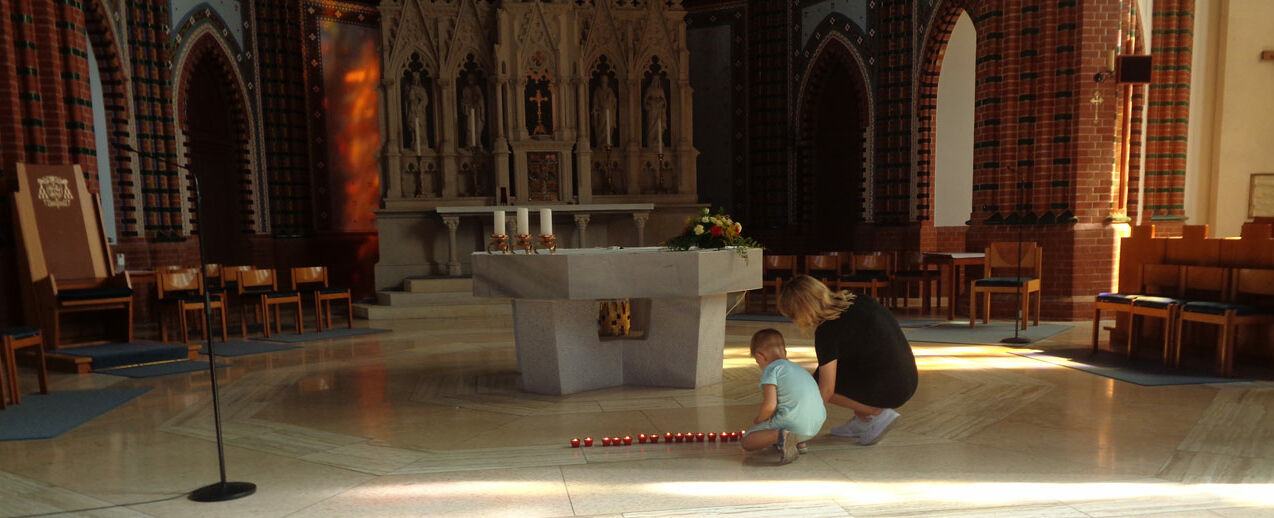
[{"x": 800, "y": 405}]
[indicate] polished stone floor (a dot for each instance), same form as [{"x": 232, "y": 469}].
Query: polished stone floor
[{"x": 427, "y": 420}]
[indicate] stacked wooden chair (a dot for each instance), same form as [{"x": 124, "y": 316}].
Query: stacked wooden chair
[
  {"x": 868, "y": 272},
  {"x": 775, "y": 270},
  {"x": 260, "y": 288},
  {"x": 1250, "y": 301},
  {"x": 65, "y": 261},
  {"x": 183, "y": 289},
  {"x": 313, "y": 280},
  {"x": 1003, "y": 258},
  {"x": 910, "y": 269}
]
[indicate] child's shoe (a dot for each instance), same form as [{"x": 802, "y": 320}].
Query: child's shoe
[
  {"x": 787, "y": 447},
  {"x": 802, "y": 447}
]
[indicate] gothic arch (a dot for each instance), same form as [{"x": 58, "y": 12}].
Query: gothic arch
[
  {"x": 206, "y": 48},
  {"x": 835, "y": 69}
]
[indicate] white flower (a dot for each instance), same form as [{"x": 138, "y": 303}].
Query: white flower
[
  {"x": 704, "y": 211},
  {"x": 698, "y": 230},
  {"x": 705, "y": 219}
]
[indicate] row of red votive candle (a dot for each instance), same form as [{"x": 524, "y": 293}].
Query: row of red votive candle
[{"x": 627, "y": 440}]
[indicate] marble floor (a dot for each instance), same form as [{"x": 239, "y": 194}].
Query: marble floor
[{"x": 427, "y": 420}]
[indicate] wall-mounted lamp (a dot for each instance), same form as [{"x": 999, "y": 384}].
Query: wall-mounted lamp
[{"x": 1110, "y": 68}]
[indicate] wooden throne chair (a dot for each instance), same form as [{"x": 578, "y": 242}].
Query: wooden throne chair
[{"x": 66, "y": 264}]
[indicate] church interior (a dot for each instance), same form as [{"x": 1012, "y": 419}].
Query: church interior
[{"x": 415, "y": 257}]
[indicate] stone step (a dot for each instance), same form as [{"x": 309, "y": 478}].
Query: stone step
[
  {"x": 406, "y": 298},
  {"x": 438, "y": 284},
  {"x": 378, "y": 312}
]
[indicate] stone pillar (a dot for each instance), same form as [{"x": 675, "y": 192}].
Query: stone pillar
[
  {"x": 450, "y": 170},
  {"x": 639, "y": 219},
  {"x": 453, "y": 259},
  {"x": 581, "y": 225},
  {"x": 393, "y": 135},
  {"x": 635, "y": 130},
  {"x": 582, "y": 149}
]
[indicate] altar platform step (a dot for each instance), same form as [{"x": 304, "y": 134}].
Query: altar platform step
[{"x": 436, "y": 297}]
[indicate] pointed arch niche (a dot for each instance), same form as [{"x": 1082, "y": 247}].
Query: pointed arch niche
[
  {"x": 828, "y": 201},
  {"x": 952, "y": 146},
  {"x": 214, "y": 126}
]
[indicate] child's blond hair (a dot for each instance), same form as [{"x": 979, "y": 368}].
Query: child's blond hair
[{"x": 768, "y": 340}]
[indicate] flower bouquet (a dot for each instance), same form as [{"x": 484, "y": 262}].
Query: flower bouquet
[{"x": 707, "y": 231}]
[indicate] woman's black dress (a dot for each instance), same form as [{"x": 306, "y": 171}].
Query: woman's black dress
[{"x": 874, "y": 361}]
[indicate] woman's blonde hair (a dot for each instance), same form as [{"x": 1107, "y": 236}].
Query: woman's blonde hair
[{"x": 808, "y": 302}]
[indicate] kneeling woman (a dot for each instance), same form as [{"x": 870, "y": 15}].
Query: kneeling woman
[{"x": 864, "y": 361}]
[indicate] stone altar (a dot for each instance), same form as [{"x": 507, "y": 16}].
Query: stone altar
[{"x": 555, "y": 309}]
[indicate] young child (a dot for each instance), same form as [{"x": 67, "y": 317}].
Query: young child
[{"x": 792, "y": 408}]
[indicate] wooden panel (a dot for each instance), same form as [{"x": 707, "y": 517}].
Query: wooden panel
[
  {"x": 1139, "y": 249},
  {"x": 56, "y": 211}
]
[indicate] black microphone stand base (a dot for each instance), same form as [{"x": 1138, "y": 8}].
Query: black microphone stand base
[
  {"x": 222, "y": 491},
  {"x": 1016, "y": 340}
]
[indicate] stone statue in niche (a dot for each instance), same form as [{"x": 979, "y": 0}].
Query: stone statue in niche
[
  {"x": 655, "y": 104},
  {"x": 473, "y": 110},
  {"x": 416, "y": 116},
  {"x": 603, "y": 113}
]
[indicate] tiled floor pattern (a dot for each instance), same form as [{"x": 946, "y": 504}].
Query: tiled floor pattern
[{"x": 428, "y": 420}]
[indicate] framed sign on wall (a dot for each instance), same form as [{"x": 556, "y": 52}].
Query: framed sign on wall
[{"x": 1261, "y": 196}]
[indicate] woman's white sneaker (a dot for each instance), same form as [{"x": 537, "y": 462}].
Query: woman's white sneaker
[
  {"x": 853, "y": 428},
  {"x": 877, "y": 427}
]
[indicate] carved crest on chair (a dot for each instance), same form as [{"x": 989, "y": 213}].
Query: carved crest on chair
[{"x": 55, "y": 191}]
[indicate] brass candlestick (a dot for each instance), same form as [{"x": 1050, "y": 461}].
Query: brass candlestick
[
  {"x": 524, "y": 243},
  {"x": 549, "y": 242},
  {"x": 499, "y": 243}
]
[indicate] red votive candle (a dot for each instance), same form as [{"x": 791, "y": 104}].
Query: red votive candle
[
  {"x": 654, "y": 438},
  {"x": 605, "y": 441},
  {"x": 667, "y": 436},
  {"x": 712, "y": 436},
  {"x": 575, "y": 442},
  {"x": 588, "y": 441},
  {"x": 700, "y": 436},
  {"x": 628, "y": 440},
  {"x": 725, "y": 436},
  {"x": 679, "y": 437},
  {"x": 641, "y": 438}
]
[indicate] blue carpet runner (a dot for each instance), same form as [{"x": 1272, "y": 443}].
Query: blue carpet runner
[
  {"x": 106, "y": 356},
  {"x": 45, "y": 416}
]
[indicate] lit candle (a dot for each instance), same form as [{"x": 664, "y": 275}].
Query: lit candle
[
  {"x": 605, "y": 441},
  {"x": 473, "y": 131},
  {"x": 524, "y": 222},
  {"x": 417, "y": 132},
  {"x": 712, "y": 436},
  {"x": 699, "y": 437},
  {"x": 546, "y": 221},
  {"x": 628, "y": 440},
  {"x": 499, "y": 223},
  {"x": 588, "y": 441},
  {"x": 659, "y": 136},
  {"x": 641, "y": 438},
  {"x": 575, "y": 442}
]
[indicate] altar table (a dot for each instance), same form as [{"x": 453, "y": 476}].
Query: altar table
[
  {"x": 953, "y": 264},
  {"x": 556, "y": 303}
]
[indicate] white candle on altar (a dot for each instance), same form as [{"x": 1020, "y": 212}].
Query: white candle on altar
[
  {"x": 608, "y": 126},
  {"x": 659, "y": 136},
  {"x": 524, "y": 221},
  {"x": 416, "y": 127},
  {"x": 473, "y": 131},
  {"x": 499, "y": 223},
  {"x": 546, "y": 221}
]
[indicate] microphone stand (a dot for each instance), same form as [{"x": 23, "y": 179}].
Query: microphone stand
[
  {"x": 222, "y": 490},
  {"x": 1017, "y": 322}
]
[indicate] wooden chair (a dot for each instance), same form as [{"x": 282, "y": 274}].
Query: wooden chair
[
  {"x": 1157, "y": 280},
  {"x": 313, "y": 279},
  {"x": 14, "y": 339},
  {"x": 824, "y": 267},
  {"x": 260, "y": 287},
  {"x": 66, "y": 264},
  {"x": 869, "y": 272},
  {"x": 213, "y": 281},
  {"x": 184, "y": 290},
  {"x": 1248, "y": 287},
  {"x": 1003, "y": 257},
  {"x": 1162, "y": 287},
  {"x": 909, "y": 269},
  {"x": 775, "y": 270}
]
